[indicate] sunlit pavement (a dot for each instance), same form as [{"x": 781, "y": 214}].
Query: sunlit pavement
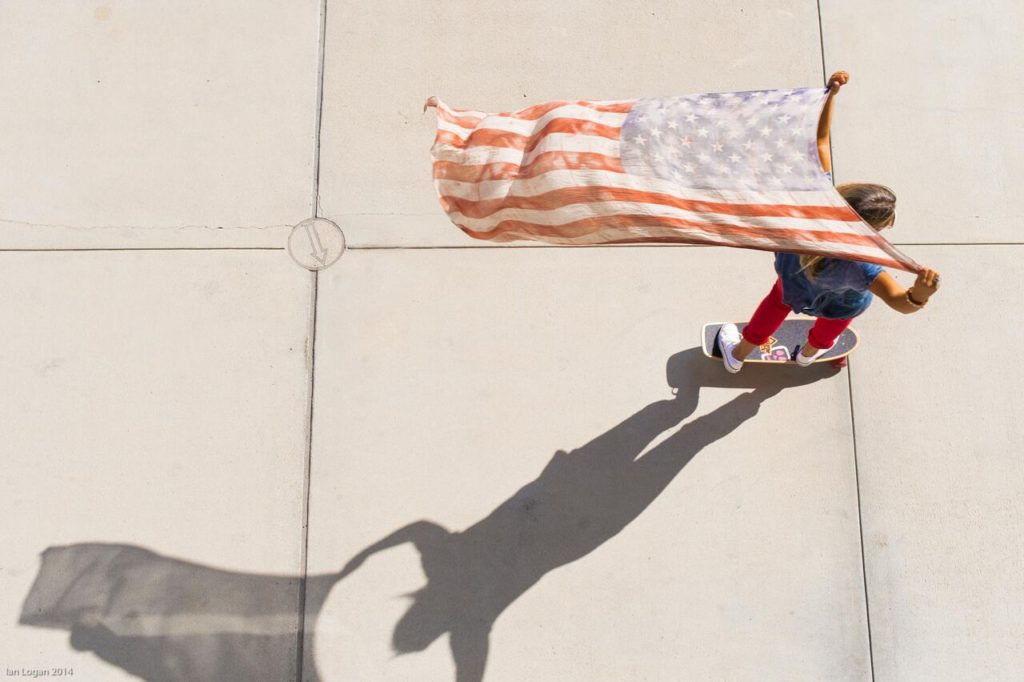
[{"x": 506, "y": 463}]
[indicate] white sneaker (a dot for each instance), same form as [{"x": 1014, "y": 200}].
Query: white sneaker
[
  {"x": 804, "y": 360},
  {"x": 728, "y": 337}
]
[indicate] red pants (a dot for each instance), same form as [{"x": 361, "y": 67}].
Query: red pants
[{"x": 773, "y": 311}]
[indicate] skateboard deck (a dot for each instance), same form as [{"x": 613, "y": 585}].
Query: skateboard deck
[{"x": 784, "y": 344}]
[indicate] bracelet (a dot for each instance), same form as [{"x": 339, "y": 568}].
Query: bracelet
[{"x": 912, "y": 301}]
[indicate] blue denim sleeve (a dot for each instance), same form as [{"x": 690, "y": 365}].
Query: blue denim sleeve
[{"x": 871, "y": 271}]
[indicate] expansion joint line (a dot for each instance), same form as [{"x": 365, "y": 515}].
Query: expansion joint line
[{"x": 311, "y": 355}]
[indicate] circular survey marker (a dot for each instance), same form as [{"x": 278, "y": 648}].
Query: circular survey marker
[{"x": 316, "y": 243}]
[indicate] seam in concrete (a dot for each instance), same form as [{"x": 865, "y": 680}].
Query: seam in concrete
[
  {"x": 821, "y": 42},
  {"x": 958, "y": 243},
  {"x": 427, "y": 248},
  {"x": 148, "y": 248},
  {"x": 136, "y": 227},
  {"x": 319, "y": 108},
  {"x": 311, "y": 350},
  {"x": 860, "y": 520},
  {"x": 536, "y": 246},
  {"x": 465, "y": 247},
  {"x": 853, "y": 420},
  {"x": 306, "y": 474}
]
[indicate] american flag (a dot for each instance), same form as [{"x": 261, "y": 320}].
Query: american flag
[{"x": 734, "y": 169}]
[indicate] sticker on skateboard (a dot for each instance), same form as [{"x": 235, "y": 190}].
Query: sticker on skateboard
[{"x": 784, "y": 344}]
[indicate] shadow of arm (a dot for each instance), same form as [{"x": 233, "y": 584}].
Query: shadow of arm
[{"x": 422, "y": 534}]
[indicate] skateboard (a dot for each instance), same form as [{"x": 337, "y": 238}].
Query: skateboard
[{"x": 784, "y": 344}]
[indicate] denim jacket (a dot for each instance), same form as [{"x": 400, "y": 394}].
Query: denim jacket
[{"x": 839, "y": 291}]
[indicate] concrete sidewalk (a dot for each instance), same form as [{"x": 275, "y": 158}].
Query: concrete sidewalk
[{"x": 500, "y": 463}]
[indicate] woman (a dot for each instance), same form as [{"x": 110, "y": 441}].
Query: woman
[{"x": 831, "y": 289}]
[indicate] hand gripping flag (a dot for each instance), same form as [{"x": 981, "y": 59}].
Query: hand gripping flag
[{"x": 734, "y": 169}]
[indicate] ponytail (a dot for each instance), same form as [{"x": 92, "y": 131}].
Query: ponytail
[{"x": 875, "y": 204}]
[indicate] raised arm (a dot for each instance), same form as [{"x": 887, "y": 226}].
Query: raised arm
[
  {"x": 896, "y": 297},
  {"x": 835, "y": 81}
]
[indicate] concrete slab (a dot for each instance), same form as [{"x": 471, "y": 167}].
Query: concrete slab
[
  {"x": 153, "y": 450},
  {"x": 938, "y": 439},
  {"x": 32, "y": 237},
  {"x": 156, "y": 400},
  {"x": 504, "y": 395},
  {"x": 383, "y": 61},
  {"x": 142, "y": 115},
  {"x": 930, "y": 111}
]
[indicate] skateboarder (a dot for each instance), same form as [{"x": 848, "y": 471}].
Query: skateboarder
[{"x": 831, "y": 289}]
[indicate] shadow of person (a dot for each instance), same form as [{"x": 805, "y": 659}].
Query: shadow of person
[
  {"x": 167, "y": 620},
  {"x": 690, "y": 370},
  {"x": 579, "y": 501}
]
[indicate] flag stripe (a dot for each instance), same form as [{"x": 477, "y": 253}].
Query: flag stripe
[
  {"x": 540, "y": 165},
  {"x": 569, "y": 213},
  {"x": 539, "y": 110},
  {"x": 527, "y": 127},
  {"x": 577, "y": 176},
  {"x": 578, "y": 195},
  {"x": 641, "y": 215},
  {"x": 464, "y": 120},
  {"x": 553, "y": 142},
  {"x": 469, "y": 118},
  {"x": 463, "y": 117},
  {"x": 654, "y": 238},
  {"x": 643, "y": 228},
  {"x": 503, "y": 139}
]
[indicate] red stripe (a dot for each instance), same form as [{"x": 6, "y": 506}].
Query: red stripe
[
  {"x": 543, "y": 163},
  {"x": 451, "y": 170},
  {"x": 515, "y": 229},
  {"x": 489, "y": 137},
  {"x": 581, "y": 195},
  {"x": 483, "y": 138},
  {"x": 573, "y": 125},
  {"x": 888, "y": 262}
]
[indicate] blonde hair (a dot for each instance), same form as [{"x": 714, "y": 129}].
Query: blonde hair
[{"x": 875, "y": 204}]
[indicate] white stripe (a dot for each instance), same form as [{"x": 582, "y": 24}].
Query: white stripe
[
  {"x": 523, "y": 127},
  {"x": 555, "y": 142},
  {"x": 471, "y": 113},
  {"x": 454, "y": 128},
  {"x": 461, "y": 113},
  {"x": 606, "y": 235},
  {"x": 573, "y": 212},
  {"x": 557, "y": 179}
]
